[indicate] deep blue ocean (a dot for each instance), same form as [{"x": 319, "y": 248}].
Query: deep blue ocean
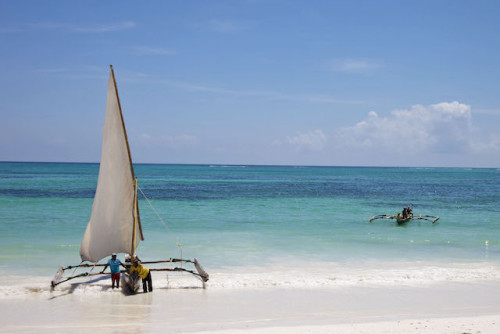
[{"x": 232, "y": 217}]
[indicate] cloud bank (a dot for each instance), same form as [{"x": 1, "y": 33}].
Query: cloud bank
[
  {"x": 436, "y": 135},
  {"x": 311, "y": 141},
  {"x": 439, "y": 128}
]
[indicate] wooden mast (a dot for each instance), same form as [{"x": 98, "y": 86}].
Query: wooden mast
[
  {"x": 123, "y": 122},
  {"x": 134, "y": 229},
  {"x": 137, "y": 218}
]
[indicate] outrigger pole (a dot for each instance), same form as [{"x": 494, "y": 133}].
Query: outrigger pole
[
  {"x": 201, "y": 273},
  {"x": 428, "y": 218}
]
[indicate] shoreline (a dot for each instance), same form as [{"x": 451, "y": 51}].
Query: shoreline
[
  {"x": 293, "y": 275},
  {"x": 443, "y": 308}
]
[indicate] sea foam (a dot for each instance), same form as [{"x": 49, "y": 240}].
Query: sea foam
[{"x": 301, "y": 276}]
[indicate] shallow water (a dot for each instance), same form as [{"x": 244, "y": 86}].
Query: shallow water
[{"x": 249, "y": 218}]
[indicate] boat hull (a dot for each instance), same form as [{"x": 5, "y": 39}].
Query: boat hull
[
  {"x": 403, "y": 221},
  {"x": 130, "y": 283}
]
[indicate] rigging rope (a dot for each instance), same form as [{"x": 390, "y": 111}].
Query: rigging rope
[
  {"x": 76, "y": 267},
  {"x": 158, "y": 215}
]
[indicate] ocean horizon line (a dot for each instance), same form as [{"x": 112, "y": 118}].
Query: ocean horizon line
[{"x": 251, "y": 165}]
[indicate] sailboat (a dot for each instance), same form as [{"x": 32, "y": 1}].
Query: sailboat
[{"x": 115, "y": 224}]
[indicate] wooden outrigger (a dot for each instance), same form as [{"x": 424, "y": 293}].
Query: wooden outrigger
[
  {"x": 400, "y": 220},
  {"x": 200, "y": 272}
]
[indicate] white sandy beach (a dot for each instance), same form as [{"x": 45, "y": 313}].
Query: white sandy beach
[{"x": 440, "y": 308}]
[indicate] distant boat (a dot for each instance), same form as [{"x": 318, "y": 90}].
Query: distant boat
[
  {"x": 405, "y": 216},
  {"x": 115, "y": 224}
]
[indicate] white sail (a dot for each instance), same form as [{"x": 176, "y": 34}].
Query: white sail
[{"x": 112, "y": 223}]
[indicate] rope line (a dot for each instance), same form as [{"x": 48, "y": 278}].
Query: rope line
[
  {"x": 158, "y": 215},
  {"x": 76, "y": 267}
]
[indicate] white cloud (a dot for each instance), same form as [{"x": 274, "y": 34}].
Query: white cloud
[
  {"x": 438, "y": 128},
  {"x": 242, "y": 93},
  {"x": 309, "y": 141},
  {"x": 237, "y": 93}
]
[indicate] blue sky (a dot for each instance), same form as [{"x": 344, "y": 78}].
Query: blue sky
[{"x": 365, "y": 83}]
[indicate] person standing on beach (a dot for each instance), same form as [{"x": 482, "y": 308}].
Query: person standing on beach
[
  {"x": 114, "y": 266},
  {"x": 144, "y": 273}
]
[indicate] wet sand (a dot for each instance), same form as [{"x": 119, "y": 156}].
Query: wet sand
[{"x": 443, "y": 308}]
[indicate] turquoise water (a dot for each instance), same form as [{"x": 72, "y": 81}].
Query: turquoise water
[{"x": 244, "y": 216}]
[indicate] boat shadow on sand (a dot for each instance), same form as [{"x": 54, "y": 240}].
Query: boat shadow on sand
[{"x": 73, "y": 286}]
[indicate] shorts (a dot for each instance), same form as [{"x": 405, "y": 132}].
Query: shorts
[{"x": 115, "y": 277}]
